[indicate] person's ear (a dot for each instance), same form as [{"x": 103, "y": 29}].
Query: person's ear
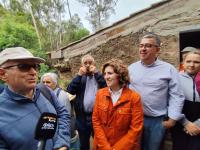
[
  {"x": 158, "y": 49},
  {"x": 3, "y": 74}
]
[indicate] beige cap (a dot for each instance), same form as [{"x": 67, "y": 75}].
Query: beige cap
[
  {"x": 189, "y": 49},
  {"x": 17, "y": 53}
]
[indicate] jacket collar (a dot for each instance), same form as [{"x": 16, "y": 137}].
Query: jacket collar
[
  {"x": 186, "y": 75},
  {"x": 125, "y": 96},
  {"x": 20, "y": 98}
]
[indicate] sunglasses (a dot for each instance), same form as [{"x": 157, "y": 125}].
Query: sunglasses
[{"x": 24, "y": 67}]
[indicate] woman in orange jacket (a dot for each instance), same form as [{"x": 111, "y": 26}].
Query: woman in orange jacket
[{"x": 117, "y": 116}]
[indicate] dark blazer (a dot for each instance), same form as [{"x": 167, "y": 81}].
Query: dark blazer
[{"x": 77, "y": 87}]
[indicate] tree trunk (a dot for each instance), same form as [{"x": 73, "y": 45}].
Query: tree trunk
[
  {"x": 69, "y": 10},
  {"x": 34, "y": 23}
]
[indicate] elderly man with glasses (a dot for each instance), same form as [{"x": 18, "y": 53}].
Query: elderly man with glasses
[
  {"x": 21, "y": 104},
  {"x": 158, "y": 84}
]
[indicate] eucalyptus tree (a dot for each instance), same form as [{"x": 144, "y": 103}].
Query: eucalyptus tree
[
  {"x": 70, "y": 14},
  {"x": 74, "y": 30},
  {"x": 49, "y": 19},
  {"x": 34, "y": 22},
  {"x": 99, "y": 11}
]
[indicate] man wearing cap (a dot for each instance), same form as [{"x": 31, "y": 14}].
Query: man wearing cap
[
  {"x": 21, "y": 104},
  {"x": 181, "y": 69},
  {"x": 183, "y": 52}
]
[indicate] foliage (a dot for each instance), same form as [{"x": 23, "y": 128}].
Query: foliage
[
  {"x": 99, "y": 11},
  {"x": 39, "y": 53},
  {"x": 80, "y": 33},
  {"x": 64, "y": 83},
  {"x": 43, "y": 69},
  {"x": 15, "y": 6},
  {"x": 74, "y": 30},
  {"x": 2, "y": 11},
  {"x": 17, "y": 26},
  {"x": 13, "y": 33},
  {"x": 51, "y": 27},
  {"x": 58, "y": 32}
]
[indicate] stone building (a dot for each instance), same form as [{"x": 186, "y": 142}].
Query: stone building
[{"x": 170, "y": 19}]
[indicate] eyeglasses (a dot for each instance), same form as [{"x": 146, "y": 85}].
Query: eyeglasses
[
  {"x": 147, "y": 45},
  {"x": 25, "y": 67}
]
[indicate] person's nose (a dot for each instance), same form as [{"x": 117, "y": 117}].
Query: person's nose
[
  {"x": 33, "y": 71},
  {"x": 45, "y": 83},
  {"x": 143, "y": 48},
  {"x": 192, "y": 64},
  {"x": 106, "y": 76},
  {"x": 87, "y": 65}
]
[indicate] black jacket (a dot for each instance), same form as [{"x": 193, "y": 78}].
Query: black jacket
[{"x": 77, "y": 86}]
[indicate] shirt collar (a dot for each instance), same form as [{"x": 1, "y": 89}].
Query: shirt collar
[
  {"x": 116, "y": 92},
  {"x": 151, "y": 65},
  {"x": 187, "y": 75}
]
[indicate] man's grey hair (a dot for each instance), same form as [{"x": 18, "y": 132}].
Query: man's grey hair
[
  {"x": 52, "y": 75},
  {"x": 153, "y": 36},
  {"x": 86, "y": 57}
]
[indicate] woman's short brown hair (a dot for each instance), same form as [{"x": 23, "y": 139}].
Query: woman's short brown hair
[{"x": 119, "y": 68}]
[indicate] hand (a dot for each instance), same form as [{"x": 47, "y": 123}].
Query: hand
[
  {"x": 192, "y": 129},
  {"x": 63, "y": 148},
  {"x": 82, "y": 71},
  {"x": 93, "y": 69},
  {"x": 169, "y": 123}
]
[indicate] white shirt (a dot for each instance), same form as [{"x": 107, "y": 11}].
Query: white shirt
[{"x": 115, "y": 95}]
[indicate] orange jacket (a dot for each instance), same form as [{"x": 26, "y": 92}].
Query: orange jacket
[{"x": 117, "y": 127}]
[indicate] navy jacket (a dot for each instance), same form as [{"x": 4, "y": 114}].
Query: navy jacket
[{"x": 77, "y": 86}]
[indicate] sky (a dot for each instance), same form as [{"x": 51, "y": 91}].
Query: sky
[{"x": 122, "y": 10}]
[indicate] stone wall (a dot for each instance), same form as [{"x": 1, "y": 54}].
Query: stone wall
[{"x": 121, "y": 39}]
